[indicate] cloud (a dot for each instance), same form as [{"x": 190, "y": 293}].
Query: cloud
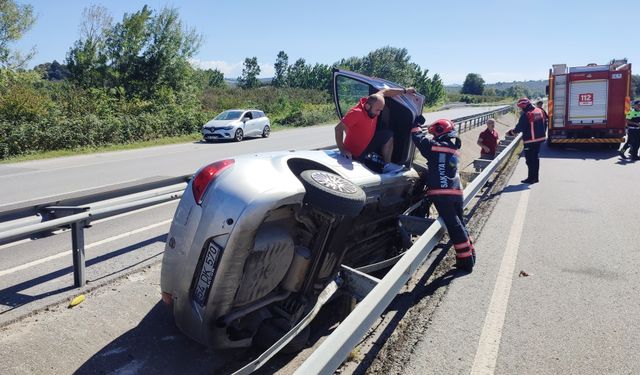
[{"x": 231, "y": 70}]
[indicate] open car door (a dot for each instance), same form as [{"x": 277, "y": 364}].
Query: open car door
[{"x": 398, "y": 115}]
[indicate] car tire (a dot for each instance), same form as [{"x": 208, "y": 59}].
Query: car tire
[
  {"x": 332, "y": 193},
  {"x": 239, "y": 135},
  {"x": 266, "y": 131}
]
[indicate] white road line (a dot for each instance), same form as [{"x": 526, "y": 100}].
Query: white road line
[
  {"x": 487, "y": 353},
  {"x": 68, "y": 252}
]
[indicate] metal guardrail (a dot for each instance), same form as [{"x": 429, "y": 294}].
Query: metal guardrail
[
  {"x": 37, "y": 208},
  {"x": 469, "y": 122},
  {"x": 79, "y": 217},
  {"x": 335, "y": 349}
]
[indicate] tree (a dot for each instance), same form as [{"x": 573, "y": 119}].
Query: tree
[
  {"x": 635, "y": 86},
  {"x": 388, "y": 62},
  {"x": 394, "y": 65},
  {"x": 489, "y": 91},
  {"x": 473, "y": 84},
  {"x": 215, "y": 78},
  {"x": 249, "y": 78},
  {"x": 321, "y": 76},
  {"x": 280, "y": 67},
  {"x": 299, "y": 74},
  {"x": 517, "y": 91},
  {"x": 437, "y": 93},
  {"x": 15, "y": 20},
  {"x": 53, "y": 71},
  {"x": 140, "y": 56},
  {"x": 87, "y": 60}
]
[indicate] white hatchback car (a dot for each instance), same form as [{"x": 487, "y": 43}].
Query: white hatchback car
[{"x": 236, "y": 124}]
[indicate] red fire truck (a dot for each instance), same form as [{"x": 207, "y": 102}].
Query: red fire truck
[{"x": 587, "y": 104}]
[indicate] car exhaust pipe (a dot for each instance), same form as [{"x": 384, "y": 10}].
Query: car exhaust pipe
[{"x": 298, "y": 270}]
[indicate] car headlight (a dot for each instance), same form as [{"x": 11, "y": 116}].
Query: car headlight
[{"x": 226, "y": 127}]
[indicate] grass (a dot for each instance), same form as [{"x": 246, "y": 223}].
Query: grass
[
  {"x": 137, "y": 145},
  {"x": 108, "y": 148},
  {"x": 118, "y": 147}
]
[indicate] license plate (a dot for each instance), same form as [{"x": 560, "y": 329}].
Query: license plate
[{"x": 207, "y": 273}]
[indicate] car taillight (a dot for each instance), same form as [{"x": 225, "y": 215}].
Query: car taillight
[{"x": 206, "y": 176}]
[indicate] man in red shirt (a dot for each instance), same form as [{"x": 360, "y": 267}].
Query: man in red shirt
[
  {"x": 488, "y": 141},
  {"x": 359, "y": 125}
]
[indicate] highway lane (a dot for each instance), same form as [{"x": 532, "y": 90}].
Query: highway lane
[
  {"x": 575, "y": 235},
  {"x": 42, "y": 178}
]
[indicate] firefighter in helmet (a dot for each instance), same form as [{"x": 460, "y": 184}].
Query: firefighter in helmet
[
  {"x": 633, "y": 132},
  {"x": 532, "y": 126},
  {"x": 444, "y": 189}
]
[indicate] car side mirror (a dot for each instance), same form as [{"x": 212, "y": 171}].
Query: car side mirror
[{"x": 245, "y": 119}]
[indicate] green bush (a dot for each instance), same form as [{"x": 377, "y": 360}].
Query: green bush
[{"x": 38, "y": 115}]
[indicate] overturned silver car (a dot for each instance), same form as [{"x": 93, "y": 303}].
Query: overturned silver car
[{"x": 256, "y": 238}]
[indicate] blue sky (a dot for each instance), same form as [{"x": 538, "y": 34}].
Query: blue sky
[{"x": 500, "y": 40}]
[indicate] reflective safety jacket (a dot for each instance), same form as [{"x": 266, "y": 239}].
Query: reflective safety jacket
[
  {"x": 634, "y": 116},
  {"x": 442, "y": 158},
  {"x": 532, "y": 126}
]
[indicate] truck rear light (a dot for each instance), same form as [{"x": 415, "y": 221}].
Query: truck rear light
[{"x": 206, "y": 176}]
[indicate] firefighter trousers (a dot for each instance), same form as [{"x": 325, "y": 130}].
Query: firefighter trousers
[
  {"x": 532, "y": 156},
  {"x": 451, "y": 211},
  {"x": 633, "y": 139}
]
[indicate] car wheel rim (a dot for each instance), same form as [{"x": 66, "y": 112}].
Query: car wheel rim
[
  {"x": 334, "y": 182},
  {"x": 266, "y": 132}
]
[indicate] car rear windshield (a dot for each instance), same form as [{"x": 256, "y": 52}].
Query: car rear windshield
[{"x": 229, "y": 115}]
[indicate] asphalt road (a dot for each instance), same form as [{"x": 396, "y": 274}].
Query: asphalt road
[{"x": 575, "y": 235}]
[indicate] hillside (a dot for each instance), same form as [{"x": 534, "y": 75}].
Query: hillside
[{"x": 535, "y": 88}]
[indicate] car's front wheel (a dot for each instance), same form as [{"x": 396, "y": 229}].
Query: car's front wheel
[
  {"x": 266, "y": 131},
  {"x": 238, "y": 135},
  {"x": 332, "y": 193}
]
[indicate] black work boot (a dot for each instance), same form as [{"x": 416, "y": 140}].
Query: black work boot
[{"x": 465, "y": 264}]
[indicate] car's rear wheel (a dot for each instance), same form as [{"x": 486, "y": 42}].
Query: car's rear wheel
[
  {"x": 266, "y": 131},
  {"x": 239, "y": 135},
  {"x": 332, "y": 193}
]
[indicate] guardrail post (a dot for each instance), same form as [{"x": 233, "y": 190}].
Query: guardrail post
[{"x": 77, "y": 239}]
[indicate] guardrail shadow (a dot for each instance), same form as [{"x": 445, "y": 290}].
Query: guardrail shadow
[
  {"x": 13, "y": 298},
  {"x": 403, "y": 302}
]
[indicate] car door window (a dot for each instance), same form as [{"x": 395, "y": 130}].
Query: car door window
[{"x": 348, "y": 93}]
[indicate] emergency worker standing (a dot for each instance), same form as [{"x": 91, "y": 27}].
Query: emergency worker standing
[
  {"x": 532, "y": 126},
  {"x": 633, "y": 132},
  {"x": 443, "y": 184}
]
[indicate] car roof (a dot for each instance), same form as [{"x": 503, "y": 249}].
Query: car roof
[{"x": 243, "y": 109}]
